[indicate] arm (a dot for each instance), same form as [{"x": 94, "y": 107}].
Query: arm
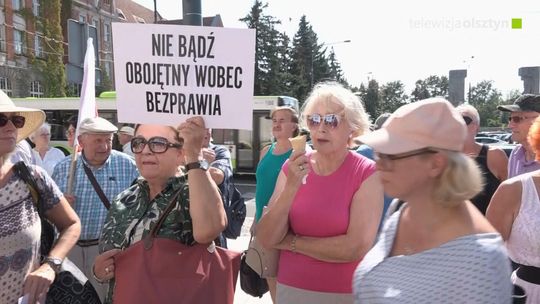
[
  {"x": 220, "y": 166},
  {"x": 504, "y": 207},
  {"x": 498, "y": 163},
  {"x": 364, "y": 218},
  {"x": 274, "y": 224},
  {"x": 205, "y": 204},
  {"x": 69, "y": 227}
]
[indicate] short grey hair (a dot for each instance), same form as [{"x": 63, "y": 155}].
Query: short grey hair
[
  {"x": 468, "y": 109},
  {"x": 44, "y": 127}
]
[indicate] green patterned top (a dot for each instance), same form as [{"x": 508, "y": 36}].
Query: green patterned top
[{"x": 133, "y": 214}]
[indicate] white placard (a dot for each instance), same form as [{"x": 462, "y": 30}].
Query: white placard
[{"x": 167, "y": 73}]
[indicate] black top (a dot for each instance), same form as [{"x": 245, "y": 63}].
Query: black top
[{"x": 491, "y": 182}]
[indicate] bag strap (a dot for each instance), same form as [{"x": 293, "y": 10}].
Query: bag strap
[
  {"x": 23, "y": 172},
  {"x": 96, "y": 186},
  {"x": 149, "y": 239}
]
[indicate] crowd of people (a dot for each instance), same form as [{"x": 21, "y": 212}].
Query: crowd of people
[{"x": 407, "y": 209}]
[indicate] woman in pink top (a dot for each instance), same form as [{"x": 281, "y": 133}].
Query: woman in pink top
[{"x": 326, "y": 205}]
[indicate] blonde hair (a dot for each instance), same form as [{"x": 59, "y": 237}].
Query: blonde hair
[
  {"x": 333, "y": 92},
  {"x": 460, "y": 180}
]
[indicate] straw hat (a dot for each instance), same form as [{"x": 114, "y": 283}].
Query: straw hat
[{"x": 34, "y": 117}]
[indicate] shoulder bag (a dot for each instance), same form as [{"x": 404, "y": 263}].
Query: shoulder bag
[{"x": 160, "y": 270}]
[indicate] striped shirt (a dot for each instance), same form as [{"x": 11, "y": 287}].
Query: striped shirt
[{"x": 115, "y": 175}]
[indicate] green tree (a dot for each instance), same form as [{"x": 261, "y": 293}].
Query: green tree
[
  {"x": 336, "y": 73},
  {"x": 371, "y": 98},
  {"x": 270, "y": 76},
  {"x": 430, "y": 87},
  {"x": 485, "y": 98},
  {"x": 303, "y": 58},
  {"x": 392, "y": 96},
  {"x": 52, "y": 67}
]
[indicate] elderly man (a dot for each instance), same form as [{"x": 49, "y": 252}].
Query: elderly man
[
  {"x": 125, "y": 134},
  {"x": 522, "y": 114},
  {"x": 220, "y": 168},
  {"x": 100, "y": 175}
]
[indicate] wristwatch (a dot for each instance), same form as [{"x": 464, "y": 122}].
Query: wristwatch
[
  {"x": 201, "y": 164},
  {"x": 55, "y": 263}
]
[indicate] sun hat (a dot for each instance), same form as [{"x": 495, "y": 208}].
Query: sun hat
[
  {"x": 33, "y": 117},
  {"x": 127, "y": 130},
  {"x": 524, "y": 103},
  {"x": 96, "y": 125},
  {"x": 429, "y": 123}
]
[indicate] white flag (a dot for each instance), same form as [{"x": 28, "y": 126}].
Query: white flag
[{"x": 87, "y": 107}]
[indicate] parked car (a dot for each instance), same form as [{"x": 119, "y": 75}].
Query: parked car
[{"x": 489, "y": 140}]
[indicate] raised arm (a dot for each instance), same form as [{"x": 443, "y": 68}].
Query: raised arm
[{"x": 205, "y": 204}]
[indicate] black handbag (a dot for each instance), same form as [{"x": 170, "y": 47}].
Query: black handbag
[
  {"x": 250, "y": 281},
  {"x": 70, "y": 285}
]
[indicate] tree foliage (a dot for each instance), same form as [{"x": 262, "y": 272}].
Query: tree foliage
[
  {"x": 485, "y": 98},
  {"x": 392, "y": 96},
  {"x": 52, "y": 67},
  {"x": 430, "y": 87}
]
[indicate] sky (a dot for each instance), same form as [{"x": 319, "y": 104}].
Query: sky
[{"x": 405, "y": 40}]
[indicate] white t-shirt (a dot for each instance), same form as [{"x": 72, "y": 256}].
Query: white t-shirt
[{"x": 52, "y": 157}]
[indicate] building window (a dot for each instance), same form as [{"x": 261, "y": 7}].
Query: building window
[
  {"x": 106, "y": 32},
  {"x": 38, "y": 46},
  {"x": 36, "y": 7},
  {"x": 18, "y": 42},
  {"x": 82, "y": 19},
  {"x": 36, "y": 89},
  {"x": 2, "y": 38},
  {"x": 17, "y": 5},
  {"x": 5, "y": 85},
  {"x": 107, "y": 2}
]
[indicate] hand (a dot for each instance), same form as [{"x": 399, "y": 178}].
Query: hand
[
  {"x": 104, "y": 265},
  {"x": 71, "y": 199},
  {"x": 298, "y": 168},
  {"x": 36, "y": 284},
  {"x": 285, "y": 243},
  {"x": 209, "y": 155},
  {"x": 192, "y": 131}
]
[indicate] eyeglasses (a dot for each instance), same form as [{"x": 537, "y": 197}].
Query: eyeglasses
[
  {"x": 329, "y": 120},
  {"x": 519, "y": 119},
  {"x": 17, "y": 120},
  {"x": 467, "y": 120},
  {"x": 385, "y": 161},
  {"x": 155, "y": 144}
]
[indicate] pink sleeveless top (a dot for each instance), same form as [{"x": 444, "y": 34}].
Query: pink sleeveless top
[{"x": 321, "y": 209}]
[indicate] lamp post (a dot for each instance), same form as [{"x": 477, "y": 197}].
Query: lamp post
[
  {"x": 468, "y": 61},
  {"x": 313, "y": 57}
]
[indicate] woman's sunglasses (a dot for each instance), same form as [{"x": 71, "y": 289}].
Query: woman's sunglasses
[
  {"x": 155, "y": 144},
  {"x": 467, "y": 120},
  {"x": 329, "y": 120},
  {"x": 17, "y": 120}
]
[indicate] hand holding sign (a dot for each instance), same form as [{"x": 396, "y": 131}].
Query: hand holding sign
[{"x": 192, "y": 131}]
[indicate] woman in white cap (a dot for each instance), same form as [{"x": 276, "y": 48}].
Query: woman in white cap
[
  {"x": 437, "y": 248},
  {"x": 22, "y": 272}
]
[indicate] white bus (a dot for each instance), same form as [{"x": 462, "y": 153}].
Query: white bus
[{"x": 245, "y": 146}]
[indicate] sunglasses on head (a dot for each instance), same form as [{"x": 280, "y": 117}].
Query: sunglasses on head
[
  {"x": 329, "y": 120},
  {"x": 155, "y": 144},
  {"x": 467, "y": 120},
  {"x": 17, "y": 120}
]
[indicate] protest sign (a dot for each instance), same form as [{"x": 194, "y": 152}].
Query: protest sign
[{"x": 167, "y": 73}]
